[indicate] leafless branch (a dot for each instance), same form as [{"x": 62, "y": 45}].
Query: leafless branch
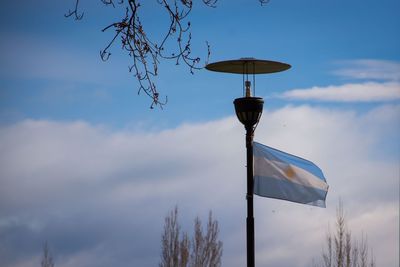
[
  {"x": 75, "y": 12},
  {"x": 205, "y": 249},
  {"x": 146, "y": 54},
  {"x": 342, "y": 250},
  {"x": 47, "y": 259},
  {"x": 264, "y": 2}
]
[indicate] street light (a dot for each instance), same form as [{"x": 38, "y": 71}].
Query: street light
[{"x": 248, "y": 110}]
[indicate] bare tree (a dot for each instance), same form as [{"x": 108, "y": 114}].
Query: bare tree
[
  {"x": 171, "y": 247},
  {"x": 343, "y": 251},
  {"x": 205, "y": 250},
  {"x": 47, "y": 259},
  {"x": 146, "y": 53}
]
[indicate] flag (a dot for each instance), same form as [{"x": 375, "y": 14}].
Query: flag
[{"x": 283, "y": 176}]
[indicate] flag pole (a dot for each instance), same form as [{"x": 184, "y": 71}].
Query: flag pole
[
  {"x": 248, "y": 110},
  {"x": 249, "y": 197}
]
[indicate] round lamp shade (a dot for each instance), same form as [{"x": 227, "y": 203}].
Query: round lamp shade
[{"x": 248, "y": 66}]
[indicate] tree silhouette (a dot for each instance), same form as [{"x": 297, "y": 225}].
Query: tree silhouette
[
  {"x": 145, "y": 52},
  {"x": 204, "y": 250},
  {"x": 47, "y": 259},
  {"x": 343, "y": 251}
]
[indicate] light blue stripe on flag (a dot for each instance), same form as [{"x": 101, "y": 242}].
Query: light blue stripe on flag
[{"x": 283, "y": 176}]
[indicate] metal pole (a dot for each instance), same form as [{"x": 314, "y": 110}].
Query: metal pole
[{"x": 249, "y": 197}]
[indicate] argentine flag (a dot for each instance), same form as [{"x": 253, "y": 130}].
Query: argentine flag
[{"x": 283, "y": 176}]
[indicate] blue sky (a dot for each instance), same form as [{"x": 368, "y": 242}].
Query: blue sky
[
  {"x": 87, "y": 166},
  {"x": 45, "y": 50}
]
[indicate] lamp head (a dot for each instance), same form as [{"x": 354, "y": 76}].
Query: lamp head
[{"x": 249, "y": 110}]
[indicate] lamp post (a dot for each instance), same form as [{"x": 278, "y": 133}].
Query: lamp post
[{"x": 248, "y": 110}]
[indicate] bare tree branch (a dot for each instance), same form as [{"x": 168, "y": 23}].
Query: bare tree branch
[
  {"x": 170, "y": 240},
  {"x": 74, "y": 12},
  {"x": 146, "y": 53},
  {"x": 47, "y": 259},
  {"x": 343, "y": 251},
  {"x": 264, "y": 2},
  {"x": 205, "y": 250}
]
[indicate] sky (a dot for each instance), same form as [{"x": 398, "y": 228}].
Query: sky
[{"x": 89, "y": 168}]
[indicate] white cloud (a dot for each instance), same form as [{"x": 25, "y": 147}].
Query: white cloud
[
  {"x": 99, "y": 196},
  {"x": 370, "y": 69},
  {"x": 381, "y": 84},
  {"x": 359, "y": 92}
]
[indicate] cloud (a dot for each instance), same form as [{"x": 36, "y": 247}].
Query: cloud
[
  {"x": 369, "y": 69},
  {"x": 99, "y": 195},
  {"x": 381, "y": 84},
  {"x": 359, "y": 92}
]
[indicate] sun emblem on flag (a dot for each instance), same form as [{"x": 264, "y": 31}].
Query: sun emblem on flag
[{"x": 290, "y": 172}]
